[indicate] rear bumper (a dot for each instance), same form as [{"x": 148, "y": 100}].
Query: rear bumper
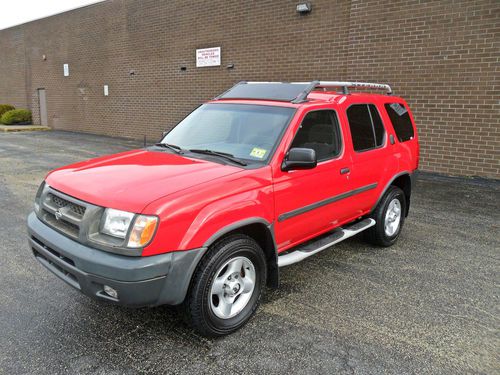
[{"x": 139, "y": 281}]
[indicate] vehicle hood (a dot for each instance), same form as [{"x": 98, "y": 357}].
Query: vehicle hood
[{"x": 131, "y": 180}]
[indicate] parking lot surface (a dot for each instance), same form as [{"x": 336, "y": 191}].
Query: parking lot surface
[{"x": 429, "y": 304}]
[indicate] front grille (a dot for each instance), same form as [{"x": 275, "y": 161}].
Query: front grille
[
  {"x": 63, "y": 212},
  {"x": 61, "y": 202},
  {"x": 76, "y": 219},
  {"x": 61, "y": 224}
]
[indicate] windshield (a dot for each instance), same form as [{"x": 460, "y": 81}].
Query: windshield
[{"x": 244, "y": 131}]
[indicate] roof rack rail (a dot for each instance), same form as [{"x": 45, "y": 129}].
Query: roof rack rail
[
  {"x": 294, "y": 92},
  {"x": 345, "y": 85}
]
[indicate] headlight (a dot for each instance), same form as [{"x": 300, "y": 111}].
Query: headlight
[
  {"x": 38, "y": 195},
  {"x": 118, "y": 224}
]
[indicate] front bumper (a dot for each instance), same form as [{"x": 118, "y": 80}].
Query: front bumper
[{"x": 139, "y": 281}]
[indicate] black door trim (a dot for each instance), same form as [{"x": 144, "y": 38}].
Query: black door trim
[{"x": 324, "y": 202}]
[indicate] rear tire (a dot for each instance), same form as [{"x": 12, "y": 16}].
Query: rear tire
[
  {"x": 227, "y": 286},
  {"x": 389, "y": 216}
]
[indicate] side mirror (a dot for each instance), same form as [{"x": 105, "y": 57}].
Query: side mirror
[{"x": 299, "y": 158}]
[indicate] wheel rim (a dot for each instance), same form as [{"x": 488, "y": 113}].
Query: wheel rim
[
  {"x": 392, "y": 217},
  {"x": 232, "y": 287}
]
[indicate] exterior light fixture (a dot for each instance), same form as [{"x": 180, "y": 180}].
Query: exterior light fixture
[
  {"x": 304, "y": 8},
  {"x": 110, "y": 291}
]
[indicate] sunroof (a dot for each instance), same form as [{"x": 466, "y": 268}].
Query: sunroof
[{"x": 266, "y": 91}]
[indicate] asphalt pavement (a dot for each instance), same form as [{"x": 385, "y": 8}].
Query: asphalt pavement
[{"x": 427, "y": 305}]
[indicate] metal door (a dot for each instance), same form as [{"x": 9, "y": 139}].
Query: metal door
[{"x": 42, "y": 104}]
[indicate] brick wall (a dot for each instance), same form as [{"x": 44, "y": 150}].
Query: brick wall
[
  {"x": 13, "y": 70},
  {"x": 442, "y": 56}
]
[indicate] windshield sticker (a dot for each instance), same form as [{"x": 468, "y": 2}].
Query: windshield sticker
[
  {"x": 258, "y": 153},
  {"x": 399, "y": 109}
]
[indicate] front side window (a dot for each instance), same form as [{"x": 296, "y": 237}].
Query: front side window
[
  {"x": 320, "y": 131},
  {"x": 401, "y": 122},
  {"x": 248, "y": 132},
  {"x": 367, "y": 130}
]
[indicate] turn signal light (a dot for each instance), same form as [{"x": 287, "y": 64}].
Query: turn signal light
[{"x": 143, "y": 231}]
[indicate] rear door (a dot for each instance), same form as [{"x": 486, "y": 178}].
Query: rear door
[
  {"x": 372, "y": 157},
  {"x": 308, "y": 202}
]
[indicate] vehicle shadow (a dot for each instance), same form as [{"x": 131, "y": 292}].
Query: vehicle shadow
[
  {"x": 297, "y": 278},
  {"x": 119, "y": 325}
]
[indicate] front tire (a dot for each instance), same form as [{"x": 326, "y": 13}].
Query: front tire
[
  {"x": 389, "y": 216},
  {"x": 227, "y": 286}
]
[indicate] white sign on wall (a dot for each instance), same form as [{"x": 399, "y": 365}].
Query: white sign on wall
[
  {"x": 208, "y": 57},
  {"x": 66, "y": 70}
]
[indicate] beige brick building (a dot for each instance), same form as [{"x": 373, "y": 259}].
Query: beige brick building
[{"x": 442, "y": 56}]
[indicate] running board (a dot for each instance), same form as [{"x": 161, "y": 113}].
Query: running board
[{"x": 314, "y": 246}]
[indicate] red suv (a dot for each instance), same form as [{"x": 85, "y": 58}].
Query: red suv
[{"x": 263, "y": 176}]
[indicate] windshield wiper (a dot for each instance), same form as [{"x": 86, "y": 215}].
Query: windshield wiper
[
  {"x": 175, "y": 148},
  {"x": 224, "y": 155}
]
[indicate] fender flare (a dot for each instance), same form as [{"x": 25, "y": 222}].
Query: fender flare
[
  {"x": 271, "y": 256},
  {"x": 410, "y": 174},
  {"x": 233, "y": 226}
]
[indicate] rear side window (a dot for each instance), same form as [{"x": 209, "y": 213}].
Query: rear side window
[
  {"x": 367, "y": 130},
  {"x": 378, "y": 127},
  {"x": 401, "y": 121},
  {"x": 320, "y": 131}
]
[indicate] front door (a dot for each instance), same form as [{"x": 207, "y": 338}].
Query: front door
[
  {"x": 308, "y": 202},
  {"x": 42, "y": 105}
]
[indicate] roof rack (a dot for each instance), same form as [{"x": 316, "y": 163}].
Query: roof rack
[
  {"x": 294, "y": 92},
  {"x": 346, "y": 85}
]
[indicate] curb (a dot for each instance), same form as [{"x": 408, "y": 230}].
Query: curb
[{"x": 21, "y": 128}]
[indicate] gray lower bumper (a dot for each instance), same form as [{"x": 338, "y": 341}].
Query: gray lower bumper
[{"x": 140, "y": 281}]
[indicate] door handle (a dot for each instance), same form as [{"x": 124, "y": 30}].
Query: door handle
[{"x": 344, "y": 170}]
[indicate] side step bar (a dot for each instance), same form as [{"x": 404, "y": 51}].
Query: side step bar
[{"x": 314, "y": 246}]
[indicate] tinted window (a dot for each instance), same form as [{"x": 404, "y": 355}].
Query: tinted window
[
  {"x": 401, "y": 121},
  {"x": 378, "y": 127},
  {"x": 367, "y": 130},
  {"x": 320, "y": 131}
]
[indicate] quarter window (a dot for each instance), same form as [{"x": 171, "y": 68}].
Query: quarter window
[
  {"x": 367, "y": 130},
  {"x": 401, "y": 122},
  {"x": 320, "y": 131}
]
